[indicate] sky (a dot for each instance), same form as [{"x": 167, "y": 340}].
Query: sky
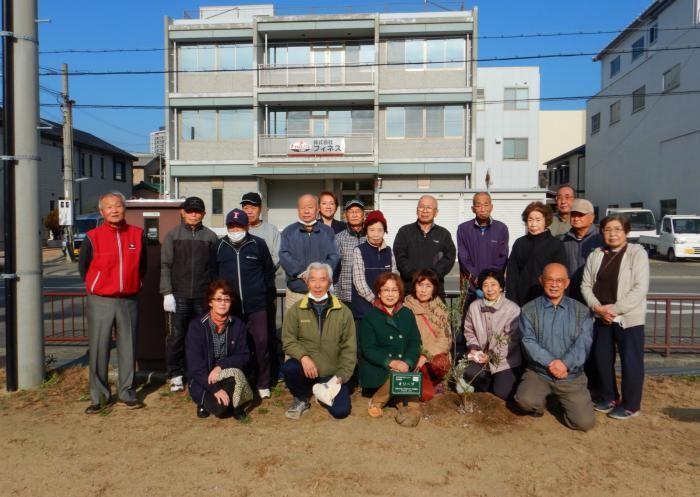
[{"x": 131, "y": 24}]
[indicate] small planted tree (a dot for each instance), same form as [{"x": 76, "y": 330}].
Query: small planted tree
[{"x": 51, "y": 224}]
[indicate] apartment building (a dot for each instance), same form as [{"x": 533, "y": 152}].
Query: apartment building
[
  {"x": 357, "y": 104},
  {"x": 643, "y": 131}
]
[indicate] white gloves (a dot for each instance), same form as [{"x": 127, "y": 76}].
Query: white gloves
[{"x": 169, "y": 303}]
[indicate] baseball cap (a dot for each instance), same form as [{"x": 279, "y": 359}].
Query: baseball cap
[
  {"x": 238, "y": 217},
  {"x": 193, "y": 204},
  {"x": 582, "y": 205},
  {"x": 251, "y": 198},
  {"x": 353, "y": 202}
]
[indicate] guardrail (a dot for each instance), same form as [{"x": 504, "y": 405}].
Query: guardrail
[{"x": 671, "y": 325}]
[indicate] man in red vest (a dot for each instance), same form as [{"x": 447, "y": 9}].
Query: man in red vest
[{"x": 112, "y": 263}]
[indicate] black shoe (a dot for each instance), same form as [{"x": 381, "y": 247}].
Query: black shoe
[
  {"x": 97, "y": 408},
  {"x": 202, "y": 412},
  {"x": 239, "y": 414},
  {"x": 133, "y": 404}
]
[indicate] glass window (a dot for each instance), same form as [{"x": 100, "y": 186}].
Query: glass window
[
  {"x": 235, "y": 124},
  {"x": 615, "y": 112},
  {"x": 362, "y": 121},
  {"x": 595, "y": 123},
  {"x": 515, "y": 148},
  {"x": 277, "y": 123},
  {"x": 198, "y": 124},
  {"x": 638, "y": 48},
  {"x": 339, "y": 122},
  {"x": 414, "y": 54},
  {"x": 396, "y": 52},
  {"x": 638, "y": 98},
  {"x": 434, "y": 119},
  {"x": 480, "y": 98},
  {"x": 206, "y": 58},
  {"x": 244, "y": 56},
  {"x": 653, "y": 33},
  {"x": 516, "y": 99},
  {"x": 298, "y": 55},
  {"x": 414, "y": 122},
  {"x": 217, "y": 200},
  {"x": 435, "y": 53},
  {"x": 227, "y": 57},
  {"x": 672, "y": 78},
  {"x": 395, "y": 119},
  {"x": 668, "y": 206},
  {"x": 454, "y": 120},
  {"x": 298, "y": 122},
  {"x": 614, "y": 66},
  {"x": 188, "y": 58},
  {"x": 479, "y": 149},
  {"x": 454, "y": 52}
]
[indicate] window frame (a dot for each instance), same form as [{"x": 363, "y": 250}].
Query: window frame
[
  {"x": 615, "y": 109},
  {"x": 615, "y": 66},
  {"x": 639, "y": 99},
  {"x": 653, "y": 33},
  {"x": 217, "y": 200},
  {"x": 516, "y": 141},
  {"x": 595, "y": 123},
  {"x": 515, "y": 103},
  {"x": 397, "y": 54},
  {"x": 673, "y": 83},
  {"x": 423, "y": 123},
  {"x": 638, "y": 51}
]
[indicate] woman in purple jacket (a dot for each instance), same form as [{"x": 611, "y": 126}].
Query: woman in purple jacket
[{"x": 216, "y": 342}]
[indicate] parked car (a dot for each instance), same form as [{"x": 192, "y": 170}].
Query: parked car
[
  {"x": 678, "y": 238},
  {"x": 83, "y": 224},
  {"x": 642, "y": 221}
]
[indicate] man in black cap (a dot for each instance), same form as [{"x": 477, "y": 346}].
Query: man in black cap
[
  {"x": 184, "y": 276},
  {"x": 244, "y": 261}
]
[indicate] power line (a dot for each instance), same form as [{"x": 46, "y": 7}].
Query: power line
[
  {"x": 505, "y": 36},
  {"x": 487, "y": 102},
  {"x": 373, "y": 64}
]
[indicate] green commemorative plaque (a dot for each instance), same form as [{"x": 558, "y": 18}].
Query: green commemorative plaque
[{"x": 407, "y": 384}]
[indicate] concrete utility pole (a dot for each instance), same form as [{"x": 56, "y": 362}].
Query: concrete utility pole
[
  {"x": 68, "y": 175},
  {"x": 30, "y": 322}
]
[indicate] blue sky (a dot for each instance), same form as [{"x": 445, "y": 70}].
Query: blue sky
[{"x": 90, "y": 24}]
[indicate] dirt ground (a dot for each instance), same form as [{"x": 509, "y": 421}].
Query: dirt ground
[{"x": 49, "y": 447}]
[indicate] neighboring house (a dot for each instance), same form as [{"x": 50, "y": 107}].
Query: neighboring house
[
  {"x": 100, "y": 165},
  {"x": 147, "y": 168},
  {"x": 560, "y": 132},
  {"x": 643, "y": 136},
  {"x": 507, "y": 130},
  {"x": 384, "y": 103},
  {"x": 567, "y": 169}
]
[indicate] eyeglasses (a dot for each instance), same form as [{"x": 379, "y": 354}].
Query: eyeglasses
[
  {"x": 222, "y": 300},
  {"x": 613, "y": 230}
]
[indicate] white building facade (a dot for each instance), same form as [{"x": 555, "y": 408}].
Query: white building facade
[{"x": 643, "y": 129}]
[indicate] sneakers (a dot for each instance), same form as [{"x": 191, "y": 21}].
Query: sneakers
[
  {"x": 297, "y": 408},
  {"x": 605, "y": 407},
  {"x": 621, "y": 413},
  {"x": 176, "y": 384},
  {"x": 326, "y": 392},
  {"x": 264, "y": 393},
  {"x": 202, "y": 412}
]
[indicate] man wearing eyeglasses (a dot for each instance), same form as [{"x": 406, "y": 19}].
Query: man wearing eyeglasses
[
  {"x": 561, "y": 222},
  {"x": 184, "y": 276},
  {"x": 424, "y": 245},
  {"x": 557, "y": 332}
]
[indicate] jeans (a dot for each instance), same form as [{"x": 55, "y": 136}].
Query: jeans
[
  {"x": 178, "y": 321},
  {"x": 301, "y": 386}
]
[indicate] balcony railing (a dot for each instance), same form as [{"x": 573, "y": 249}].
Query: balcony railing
[
  {"x": 356, "y": 144},
  {"x": 315, "y": 75}
]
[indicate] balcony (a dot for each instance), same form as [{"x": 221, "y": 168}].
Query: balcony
[
  {"x": 351, "y": 145},
  {"x": 315, "y": 75}
]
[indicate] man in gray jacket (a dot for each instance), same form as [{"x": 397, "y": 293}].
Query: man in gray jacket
[
  {"x": 557, "y": 332},
  {"x": 184, "y": 276}
]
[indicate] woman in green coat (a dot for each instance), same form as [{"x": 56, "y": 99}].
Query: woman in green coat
[{"x": 389, "y": 342}]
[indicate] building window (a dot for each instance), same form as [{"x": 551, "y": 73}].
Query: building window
[
  {"x": 419, "y": 122},
  {"x": 81, "y": 165},
  {"x": 212, "y": 125},
  {"x": 653, "y": 33},
  {"x": 638, "y": 48},
  {"x": 515, "y": 149},
  {"x": 102, "y": 168},
  {"x": 225, "y": 57},
  {"x": 119, "y": 171},
  {"x": 90, "y": 171},
  {"x": 198, "y": 125},
  {"x": 637, "y": 205},
  {"x": 614, "y": 66},
  {"x": 480, "y": 99},
  {"x": 516, "y": 99},
  {"x": 420, "y": 54},
  {"x": 615, "y": 112},
  {"x": 235, "y": 124},
  {"x": 479, "y": 149},
  {"x": 638, "y": 98},
  {"x": 342, "y": 122},
  {"x": 668, "y": 207},
  {"x": 595, "y": 123},
  {"x": 217, "y": 201},
  {"x": 672, "y": 78}
]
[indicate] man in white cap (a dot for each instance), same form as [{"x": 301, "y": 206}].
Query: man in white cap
[{"x": 580, "y": 241}]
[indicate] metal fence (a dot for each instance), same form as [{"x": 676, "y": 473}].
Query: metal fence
[{"x": 671, "y": 325}]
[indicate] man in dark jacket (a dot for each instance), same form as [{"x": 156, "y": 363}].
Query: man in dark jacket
[
  {"x": 244, "y": 261},
  {"x": 424, "y": 245},
  {"x": 184, "y": 276},
  {"x": 579, "y": 241},
  {"x": 112, "y": 263}
]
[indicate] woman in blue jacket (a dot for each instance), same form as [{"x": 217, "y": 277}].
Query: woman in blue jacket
[{"x": 216, "y": 342}]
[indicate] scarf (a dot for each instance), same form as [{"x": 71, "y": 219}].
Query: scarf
[
  {"x": 435, "y": 310},
  {"x": 219, "y": 323}
]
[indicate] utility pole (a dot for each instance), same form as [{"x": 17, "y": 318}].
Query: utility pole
[
  {"x": 30, "y": 341},
  {"x": 68, "y": 174}
]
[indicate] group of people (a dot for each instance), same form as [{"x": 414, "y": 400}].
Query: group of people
[{"x": 544, "y": 318}]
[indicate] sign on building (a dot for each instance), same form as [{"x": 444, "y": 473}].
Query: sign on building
[{"x": 314, "y": 146}]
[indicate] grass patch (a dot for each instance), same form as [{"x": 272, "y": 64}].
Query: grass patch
[
  {"x": 52, "y": 379},
  {"x": 84, "y": 397},
  {"x": 263, "y": 410},
  {"x": 277, "y": 390},
  {"x": 688, "y": 377}
]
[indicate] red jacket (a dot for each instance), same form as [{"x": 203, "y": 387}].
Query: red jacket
[{"x": 112, "y": 261}]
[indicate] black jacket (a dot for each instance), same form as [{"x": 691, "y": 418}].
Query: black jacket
[
  {"x": 249, "y": 269},
  {"x": 184, "y": 261},
  {"x": 530, "y": 254},
  {"x": 415, "y": 250}
]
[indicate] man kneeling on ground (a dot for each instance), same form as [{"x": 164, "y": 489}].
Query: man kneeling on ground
[
  {"x": 318, "y": 335},
  {"x": 557, "y": 332}
]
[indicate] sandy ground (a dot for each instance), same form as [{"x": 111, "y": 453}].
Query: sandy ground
[{"x": 49, "y": 447}]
